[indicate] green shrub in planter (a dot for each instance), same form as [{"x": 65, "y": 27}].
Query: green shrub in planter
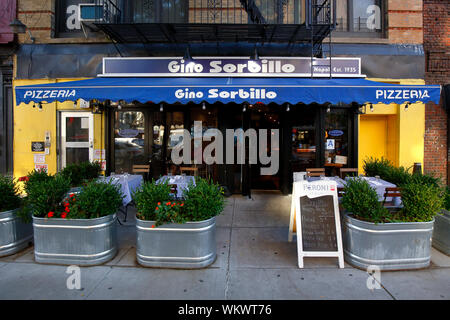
[
  {"x": 81, "y": 173},
  {"x": 446, "y": 203},
  {"x": 45, "y": 195},
  {"x": 9, "y": 194},
  {"x": 361, "y": 200},
  {"x": 203, "y": 201},
  {"x": 36, "y": 176},
  {"x": 421, "y": 202},
  {"x": 97, "y": 199},
  {"x": 147, "y": 197},
  {"x": 376, "y": 167},
  {"x": 399, "y": 176}
]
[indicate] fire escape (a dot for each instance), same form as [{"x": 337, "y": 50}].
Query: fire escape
[{"x": 251, "y": 21}]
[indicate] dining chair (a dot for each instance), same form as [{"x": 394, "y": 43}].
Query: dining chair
[
  {"x": 343, "y": 172},
  {"x": 191, "y": 170},
  {"x": 142, "y": 168},
  {"x": 391, "y": 192},
  {"x": 315, "y": 172}
]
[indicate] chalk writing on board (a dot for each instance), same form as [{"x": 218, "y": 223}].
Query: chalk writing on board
[{"x": 318, "y": 223}]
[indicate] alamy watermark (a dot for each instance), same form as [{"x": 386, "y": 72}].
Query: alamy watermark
[
  {"x": 374, "y": 279},
  {"x": 221, "y": 150},
  {"x": 73, "y": 282}
]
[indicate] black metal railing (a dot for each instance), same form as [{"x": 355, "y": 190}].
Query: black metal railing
[{"x": 203, "y": 11}]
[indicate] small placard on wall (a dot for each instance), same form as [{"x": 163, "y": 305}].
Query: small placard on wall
[
  {"x": 103, "y": 165},
  {"x": 39, "y": 158},
  {"x": 42, "y": 166},
  {"x": 99, "y": 154},
  {"x": 37, "y": 146}
]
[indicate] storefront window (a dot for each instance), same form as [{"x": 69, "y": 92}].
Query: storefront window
[
  {"x": 359, "y": 18},
  {"x": 208, "y": 118},
  {"x": 303, "y": 143},
  {"x": 336, "y": 138},
  {"x": 129, "y": 140}
]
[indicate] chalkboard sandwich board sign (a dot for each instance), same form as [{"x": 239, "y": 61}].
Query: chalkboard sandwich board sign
[{"x": 317, "y": 220}]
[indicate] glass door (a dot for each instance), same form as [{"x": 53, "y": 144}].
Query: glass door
[
  {"x": 77, "y": 137},
  {"x": 130, "y": 143}
]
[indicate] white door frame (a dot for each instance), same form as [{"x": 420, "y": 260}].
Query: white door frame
[{"x": 89, "y": 144}]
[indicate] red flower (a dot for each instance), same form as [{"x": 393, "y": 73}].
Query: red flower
[
  {"x": 50, "y": 214},
  {"x": 153, "y": 226},
  {"x": 24, "y": 178},
  {"x": 159, "y": 203},
  {"x": 156, "y": 208},
  {"x": 63, "y": 215},
  {"x": 71, "y": 195},
  {"x": 67, "y": 209},
  {"x": 182, "y": 204}
]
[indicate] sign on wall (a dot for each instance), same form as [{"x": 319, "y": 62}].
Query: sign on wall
[
  {"x": 316, "y": 209},
  {"x": 230, "y": 67},
  {"x": 37, "y": 146}
]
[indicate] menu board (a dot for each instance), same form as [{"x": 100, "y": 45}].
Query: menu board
[
  {"x": 318, "y": 224},
  {"x": 316, "y": 211}
]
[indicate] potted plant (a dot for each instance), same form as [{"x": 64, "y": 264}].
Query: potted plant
[
  {"x": 16, "y": 231},
  {"x": 81, "y": 173},
  {"x": 176, "y": 233},
  {"x": 391, "y": 239},
  {"x": 441, "y": 231},
  {"x": 76, "y": 228}
]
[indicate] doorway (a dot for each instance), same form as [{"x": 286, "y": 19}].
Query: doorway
[
  {"x": 264, "y": 117},
  {"x": 77, "y": 137}
]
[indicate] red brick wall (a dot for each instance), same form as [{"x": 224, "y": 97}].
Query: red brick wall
[{"x": 436, "y": 42}]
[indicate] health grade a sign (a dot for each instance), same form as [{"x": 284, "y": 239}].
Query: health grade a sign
[{"x": 230, "y": 67}]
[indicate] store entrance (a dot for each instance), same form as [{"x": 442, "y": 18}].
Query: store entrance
[{"x": 265, "y": 117}]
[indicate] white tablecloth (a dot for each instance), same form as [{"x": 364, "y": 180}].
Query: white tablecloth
[
  {"x": 380, "y": 186},
  {"x": 182, "y": 182},
  {"x": 128, "y": 183}
]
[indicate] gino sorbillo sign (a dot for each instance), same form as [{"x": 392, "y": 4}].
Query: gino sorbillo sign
[{"x": 230, "y": 67}]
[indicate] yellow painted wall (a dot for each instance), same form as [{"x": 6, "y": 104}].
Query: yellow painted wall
[
  {"x": 402, "y": 140},
  {"x": 30, "y": 124}
]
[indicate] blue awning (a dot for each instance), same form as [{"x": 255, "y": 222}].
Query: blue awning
[{"x": 225, "y": 90}]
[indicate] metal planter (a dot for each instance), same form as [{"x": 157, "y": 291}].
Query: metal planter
[
  {"x": 75, "y": 241},
  {"x": 441, "y": 232},
  {"x": 390, "y": 246},
  {"x": 15, "y": 235},
  {"x": 189, "y": 246}
]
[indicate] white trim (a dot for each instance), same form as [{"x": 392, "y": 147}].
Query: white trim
[{"x": 85, "y": 144}]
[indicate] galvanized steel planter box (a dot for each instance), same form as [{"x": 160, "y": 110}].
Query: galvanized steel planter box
[
  {"x": 189, "y": 246},
  {"x": 390, "y": 246},
  {"x": 75, "y": 241},
  {"x": 15, "y": 235},
  {"x": 441, "y": 232}
]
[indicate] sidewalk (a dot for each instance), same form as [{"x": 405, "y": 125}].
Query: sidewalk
[{"x": 254, "y": 261}]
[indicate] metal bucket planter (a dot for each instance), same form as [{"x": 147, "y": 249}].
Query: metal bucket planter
[
  {"x": 441, "y": 232},
  {"x": 390, "y": 246},
  {"x": 190, "y": 245},
  {"x": 75, "y": 241},
  {"x": 15, "y": 235}
]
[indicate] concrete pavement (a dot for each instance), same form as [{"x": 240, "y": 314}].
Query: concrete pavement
[{"x": 254, "y": 261}]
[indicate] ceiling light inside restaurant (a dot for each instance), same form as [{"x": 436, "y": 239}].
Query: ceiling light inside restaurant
[
  {"x": 204, "y": 106},
  {"x": 161, "y": 107},
  {"x": 288, "y": 108},
  {"x": 371, "y": 107}
]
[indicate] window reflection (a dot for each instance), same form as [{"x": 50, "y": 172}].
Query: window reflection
[
  {"x": 336, "y": 137},
  {"x": 129, "y": 140}
]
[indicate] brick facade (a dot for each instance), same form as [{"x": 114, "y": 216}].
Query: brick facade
[{"x": 437, "y": 54}]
